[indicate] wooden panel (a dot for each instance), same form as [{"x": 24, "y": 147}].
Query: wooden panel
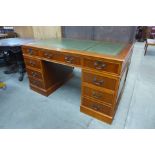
[
  {"x": 24, "y": 31},
  {"x": 55, "y": 73},
  {"x": 38, "y": 32},
  {"x": 97, "y": 106},
  {"x": 40, "y": 90},
  {"x": 100, "y": 81},
  {"x": 46, "y": 32},
  {"x": 95, "y": 114},
  {"x": 101, "y": 65}
]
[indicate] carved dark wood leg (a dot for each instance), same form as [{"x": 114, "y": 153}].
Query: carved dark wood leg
[{"x": 145, "y": 48}]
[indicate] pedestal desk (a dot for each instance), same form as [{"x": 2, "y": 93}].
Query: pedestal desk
[{"x": 104, "y": 65}]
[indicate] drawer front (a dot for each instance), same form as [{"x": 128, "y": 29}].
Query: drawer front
[
  {"x": 62, "y": 57},
  {"x": 32, "y": 63},
  {"x": 98, "y": 95},
  {"x": 101, "y": 65},
  {"x": 97, "y": 106},
  {"x": 36, "y": 82},
  {"x": 100, "y": 81},
  {"x": 71, "y": 59},
  {"x": 30, "y": 51},
  {"x": 49, "y": 54},
  {"x": 34, "y": 74}
]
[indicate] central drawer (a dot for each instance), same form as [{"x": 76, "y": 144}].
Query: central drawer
[
  {"x": 62, "y": 57},
  {"x": 71, "y": 59},
  {"x": 100, "y": 81},
  {"x": 51, "y": 55}
]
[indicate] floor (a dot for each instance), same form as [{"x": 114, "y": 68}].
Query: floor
[{"x": 22, "y": 108}]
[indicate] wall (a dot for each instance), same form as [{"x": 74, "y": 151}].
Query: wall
[
  {"x": 24, "y": 31},
  {"x": 38, "y": 32},
  {"x": 107, "y": 33},
  {"x": 78, "y": 32},
  {"x": 115, "y": 33}
]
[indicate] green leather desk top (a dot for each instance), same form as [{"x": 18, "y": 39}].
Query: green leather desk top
[
  {"x": 108, "y": 48},
  {"x": 97, "y": 47}
]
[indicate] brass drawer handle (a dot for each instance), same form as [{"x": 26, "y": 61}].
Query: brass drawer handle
[
  {"x": 32, "y": 63},
  {"x": 96, "y": 95},
  {"x": 96, "y": 107},
  {"x": 48, "y": 55},
  {"x": 98, "y": 83},
  {"x": 99, "y": 65},
  {"x": 31, "y": 51},
  {"x": 69, "y": 59},
  {"x": 34, "y": 74}
]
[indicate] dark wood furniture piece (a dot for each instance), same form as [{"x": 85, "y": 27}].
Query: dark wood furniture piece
[
  {"x": 49, "y": 63},
  {"x": 141, "y": 33},
  {"x": 150, "y": 42},
  {"x": 13, "y": 45}
]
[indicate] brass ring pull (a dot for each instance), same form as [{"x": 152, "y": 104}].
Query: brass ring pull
[
  {"x": 96, "y": 95},
  {"x": 99, "y": 65},
  {"x": 32, "y": 63},
  {"x": 48, "y": 55},
  {"x": 69, "y": 59},
  {"x": 34, "y": 74},
  {"x": 30, "y": 51},
  {"x": 97, "y": 82},
  {"x": 96, "y": 107}
]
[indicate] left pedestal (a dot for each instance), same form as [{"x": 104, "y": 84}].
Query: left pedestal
[{"x": 45, "y": 77}]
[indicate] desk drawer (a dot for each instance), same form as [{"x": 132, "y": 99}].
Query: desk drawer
[
  {"x": 101, "y": 65},
  {"x": 71, "y": 59},
  {"x": 32, "y": 63},
  {"x": 100, "y": 81},
  {"x": 36, "y": 82},
  {"x": 49, "y": 54},
  {"x": 97, "y": 106},
  {"x": 98, "y": 95},
  {"x": 34, "y": 73},
  {"x": 30, "y": 51}
]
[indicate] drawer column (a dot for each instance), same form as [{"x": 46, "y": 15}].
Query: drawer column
[{"x": 45, "y": 77}]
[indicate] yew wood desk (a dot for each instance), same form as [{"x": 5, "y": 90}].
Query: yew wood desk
[{"x": 104, "y": 65}]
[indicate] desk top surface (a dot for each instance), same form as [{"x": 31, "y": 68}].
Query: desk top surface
[{"x": 97, "y": 47}]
